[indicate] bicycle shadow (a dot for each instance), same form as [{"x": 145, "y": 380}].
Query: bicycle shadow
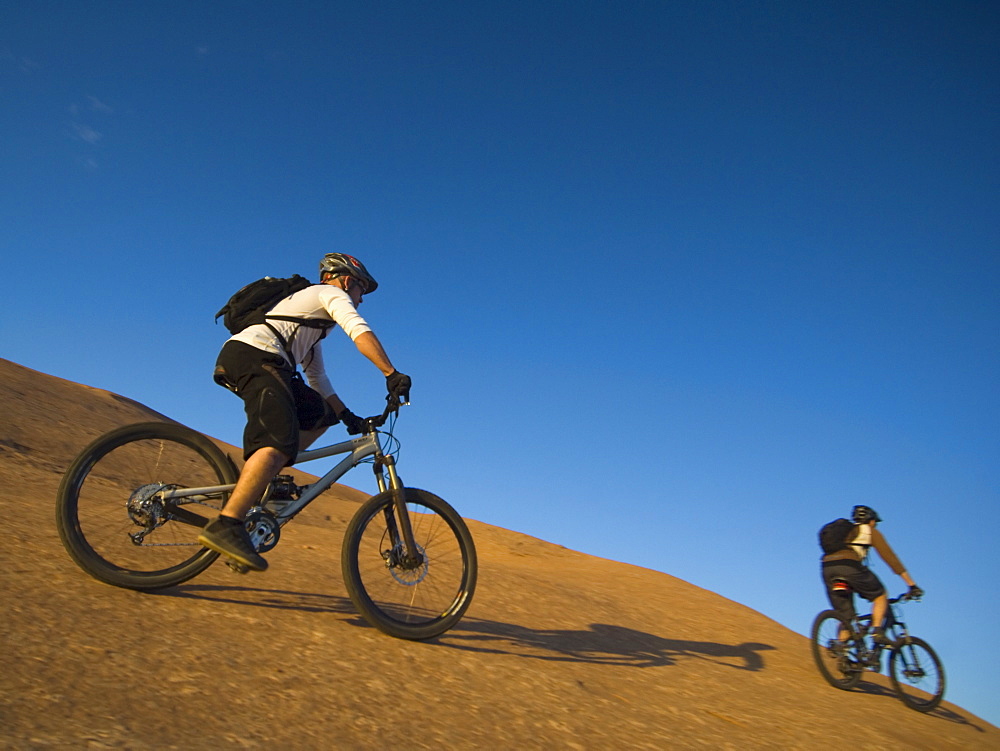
[
  {"x": 948, "y": 716},
  {"x": 279, "y": 599},
  {"x": 942, "y": 713},
  {"x": 599, "y": 644}
]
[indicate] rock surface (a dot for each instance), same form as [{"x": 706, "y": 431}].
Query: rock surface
[{"x": 559, "y": 649}]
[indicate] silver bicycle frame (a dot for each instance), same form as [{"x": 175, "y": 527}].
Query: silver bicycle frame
[{"x": 358, "y": 449}]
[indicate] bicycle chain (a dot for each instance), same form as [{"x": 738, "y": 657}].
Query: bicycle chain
[{"x": 144, "y": 544}]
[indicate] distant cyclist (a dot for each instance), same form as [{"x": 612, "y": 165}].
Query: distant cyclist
[
  {"x": 848, "y": 564},
  {"x": 284, "y": 415}
]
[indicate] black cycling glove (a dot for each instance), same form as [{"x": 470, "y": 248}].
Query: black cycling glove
[
  {"x": 398, "y": 385},
  {"x": 915, "y": 592},
  {"x": 354, "y": 424}
]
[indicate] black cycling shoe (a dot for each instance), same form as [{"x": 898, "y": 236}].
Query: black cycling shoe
[
  {"x": 874, "y": 661},
  {"x": 229, "y": 537},
  {"x": 879, "y": 638}
]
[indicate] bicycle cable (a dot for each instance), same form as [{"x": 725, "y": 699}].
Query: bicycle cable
[
  {"x": 393, "y": 446},
  {"x": 390, "y": 444}
]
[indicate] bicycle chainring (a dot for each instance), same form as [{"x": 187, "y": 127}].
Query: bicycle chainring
[{"x": 263, "y": 528}]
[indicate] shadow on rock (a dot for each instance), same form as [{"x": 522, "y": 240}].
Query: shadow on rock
[
  {"x": 875, "y": 689},
  {"x": 601, "y": 644},
  {"x": 308, "y": 602}
]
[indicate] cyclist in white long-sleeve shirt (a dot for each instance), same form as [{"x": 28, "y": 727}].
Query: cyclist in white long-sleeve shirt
[{"x": 284, "y": 415}]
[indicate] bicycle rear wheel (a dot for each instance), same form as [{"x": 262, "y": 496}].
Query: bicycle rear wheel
[
  {"x": 917, "y": 674},
  {"x": 114, "y": 524},
  {"x": 837, "y": 660},
  {"x": 409, "y": 600}
]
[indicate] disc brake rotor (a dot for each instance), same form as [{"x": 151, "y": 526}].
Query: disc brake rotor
[{"x": 406, "y": 574}]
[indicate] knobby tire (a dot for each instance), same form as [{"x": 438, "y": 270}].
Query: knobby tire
[
  {"x": 839, "y": 670},
  {"x": 917, "y": 674},
  {"x": 419, "y": 602}
]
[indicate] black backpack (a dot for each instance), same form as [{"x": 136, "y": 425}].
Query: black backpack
[
  {"x": 833, "y": 535},
  {"x": 251, "y": 305}
]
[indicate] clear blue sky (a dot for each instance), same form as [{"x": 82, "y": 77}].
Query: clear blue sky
[{"x": 676, "y": 282}]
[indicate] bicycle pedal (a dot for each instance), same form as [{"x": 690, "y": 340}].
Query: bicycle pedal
[{"x": 237, "y": 567}]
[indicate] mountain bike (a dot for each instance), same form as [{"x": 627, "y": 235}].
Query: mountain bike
[
  {"x": 842, "y": 655},
  {"x": 131, "y": 506}
]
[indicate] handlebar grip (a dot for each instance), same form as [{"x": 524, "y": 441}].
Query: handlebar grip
[{"x": 377, "y": 421}]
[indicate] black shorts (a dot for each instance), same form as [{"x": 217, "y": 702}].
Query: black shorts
[
  {"x": 861, "y": 579},
  {"x": 277, "y": 401}
]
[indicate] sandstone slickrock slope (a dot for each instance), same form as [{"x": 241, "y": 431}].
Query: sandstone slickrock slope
[{"x": 559, "y": 649}]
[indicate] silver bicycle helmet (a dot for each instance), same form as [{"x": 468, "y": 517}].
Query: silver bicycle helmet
[
  {"x": 864, "y": 514},
  {"x": 341, "y": 264}
]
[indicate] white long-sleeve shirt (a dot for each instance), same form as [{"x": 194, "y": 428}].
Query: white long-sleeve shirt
[{"x": 321, "y": 301}]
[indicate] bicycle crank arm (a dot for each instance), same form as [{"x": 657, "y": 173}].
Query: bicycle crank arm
[{"x": 184, "y": 516}]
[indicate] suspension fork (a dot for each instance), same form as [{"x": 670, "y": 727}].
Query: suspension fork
[
  {"x": 404, "y": 531},
  {"x": 898, "y": 627}
]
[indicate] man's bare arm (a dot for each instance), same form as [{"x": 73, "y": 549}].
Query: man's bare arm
[{"x": 369, "y": 345}]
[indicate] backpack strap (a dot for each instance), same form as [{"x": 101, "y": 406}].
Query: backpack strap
[
  {"x": 286, "y": 344},
  {"x": 313, "y": 323}
]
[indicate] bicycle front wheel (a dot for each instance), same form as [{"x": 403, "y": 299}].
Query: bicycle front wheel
[
  {"x": 417, "y": 598},
  {"x": 836, "y": 658},
  {"x": 917, "y": 674},
  {"x": 114, "y": 523}
]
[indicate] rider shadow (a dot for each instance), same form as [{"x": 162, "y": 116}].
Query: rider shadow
[
  {"x": 264, "y": 598},
  {"x": 600, "y": 644}
]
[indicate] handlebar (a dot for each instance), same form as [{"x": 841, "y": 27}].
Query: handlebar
[
  {"x": 377, "y": 421},
  {"x": 905, "y": 597}
]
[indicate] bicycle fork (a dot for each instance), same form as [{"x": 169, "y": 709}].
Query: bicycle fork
[{"x": 403, "y": 532}]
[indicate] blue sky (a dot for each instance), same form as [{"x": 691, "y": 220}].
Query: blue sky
[{"x": 676, "y": 282}]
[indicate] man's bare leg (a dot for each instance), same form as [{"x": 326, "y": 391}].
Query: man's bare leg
[
  {"x": 226, "y": 534},
  {"x": 879, "y": 607},
  {"x": 259, "y": 470}
]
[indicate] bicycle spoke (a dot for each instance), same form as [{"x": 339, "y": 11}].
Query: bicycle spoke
[
  {"x": 917, "y": 675},
  {"x": 413, "y": 594},
  {"x": 836, "y": 657},
  {"x": 112, "y": 515},
  {"x": 406, "y": 596}
]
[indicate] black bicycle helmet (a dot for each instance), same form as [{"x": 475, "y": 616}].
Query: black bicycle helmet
[
  {"x": 341, "y": 264},
  {"x": 864, "y": 514}
]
